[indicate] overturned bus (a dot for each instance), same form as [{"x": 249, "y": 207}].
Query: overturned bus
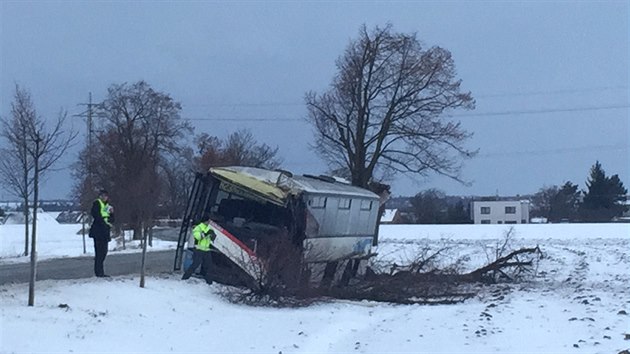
[{"x": 332, "y": 224}]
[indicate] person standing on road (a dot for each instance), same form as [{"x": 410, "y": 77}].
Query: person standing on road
[
  {"x": 103, "y": 217},
  {"x": 203, "y": 235}
]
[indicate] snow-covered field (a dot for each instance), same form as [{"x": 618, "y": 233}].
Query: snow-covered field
[
  {"x": 56, "y": 240},
  {"x": 575, "y": 304}
]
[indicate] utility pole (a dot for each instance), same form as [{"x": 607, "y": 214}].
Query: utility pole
[
  {"x": 90, "y": 130},
  {"x": 88, "y": 114}
]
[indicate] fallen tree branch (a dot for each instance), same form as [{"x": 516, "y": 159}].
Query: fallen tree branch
[
  {"x": 420, "y": 282},
  {"x": 481, "y": 274}
]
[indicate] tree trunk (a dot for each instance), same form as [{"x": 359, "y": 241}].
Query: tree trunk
[
  {"x": 381, "y": 211},
  {"x": 83, "y": 231},
  {"x": 122, "y": 232},
  {"x": 24, "y": 156},
  {"x": 358, "y": 178},
  {"x": 31, "y": 284},
  {"x": 144, "y": 254},
  {"x": 137, "y": 229},
  {"x": 26, "y": 223}
]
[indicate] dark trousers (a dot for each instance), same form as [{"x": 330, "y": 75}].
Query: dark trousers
[
  {"x": 203, "y": 259},
  {"x": 100, "y": 252}
]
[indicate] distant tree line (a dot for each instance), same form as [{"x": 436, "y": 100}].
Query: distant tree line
[
  {"x": 432, "y": 206},
  {"x": 602, "y": 201}
]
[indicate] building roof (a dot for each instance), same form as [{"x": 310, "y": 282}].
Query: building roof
[
  {"x": 522, "y": 201},
  {"x": 388, "y": 215}
]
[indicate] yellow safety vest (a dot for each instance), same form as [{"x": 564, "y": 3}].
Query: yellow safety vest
[
  {"x": 202, "y": 237},
  {"x": 104, "y": 211}
]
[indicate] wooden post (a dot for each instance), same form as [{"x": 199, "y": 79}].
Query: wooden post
[
  {"x": 31, "y": 283},
  {"x": 150, "y": 236},
  {"x": 83, "y": 231},
  {"x": 144, "y": 255}
]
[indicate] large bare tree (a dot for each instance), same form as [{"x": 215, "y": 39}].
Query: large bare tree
[
  {"x": 138, "y": 126},
  {"x": 386, "y": 110}
]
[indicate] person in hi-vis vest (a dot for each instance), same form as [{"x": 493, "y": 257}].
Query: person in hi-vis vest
[
  {"x": 203, "y": 236},
  {"x": 103, "y": 217}
]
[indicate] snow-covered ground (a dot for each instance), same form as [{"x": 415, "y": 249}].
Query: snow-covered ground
[
  {"x": 522, "y": 231},
  {"x": 575, "y": 304},
  {"x": 56, "y": 240}
]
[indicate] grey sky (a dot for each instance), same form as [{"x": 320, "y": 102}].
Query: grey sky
[{"x": 550, "y": 78}]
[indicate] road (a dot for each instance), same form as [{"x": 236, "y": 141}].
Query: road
[{"x": 83, "y": 267}]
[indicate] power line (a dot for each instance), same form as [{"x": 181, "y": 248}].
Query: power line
[
  {"x": 246, "y": 104},
  {"x": 486, "y": 114},
  {"x": 539, "y": 111},
  {"x": 499, "y": 94},
  {"x": 554, "y": 92},
  {"x": 555, "y": 151},
  {"x": 249, "y": 119}
]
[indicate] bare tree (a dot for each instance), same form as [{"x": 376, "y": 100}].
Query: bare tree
[
  {"x": 542, "y": 201},
  {"x": 386, "y": 109},
  {"x": 177, "y": 177},
  {"x": 239, "y": 148},
  {"x": 33, "y": 149},
  {"x": 430, "y": 207},
  {"x": 16, "y": 166},
  {"x": 49, "y": 146},
  {"x": 139, "y": 127},
  {"x": 84, "y": 187}
]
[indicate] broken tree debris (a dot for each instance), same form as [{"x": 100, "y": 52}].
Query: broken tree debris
[
  {"x": 434, "y": 287},
  {"x": 411, "y": 285}
]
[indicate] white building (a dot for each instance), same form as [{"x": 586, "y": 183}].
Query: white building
[{"x": 500, "y": 212}]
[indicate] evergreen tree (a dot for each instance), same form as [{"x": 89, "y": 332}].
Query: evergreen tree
[
  {"x": 564, "y": 204},
  {"x": 604, "y": 198}
]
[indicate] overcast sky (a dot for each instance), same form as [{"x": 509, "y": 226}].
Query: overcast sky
[{"x": 550, "y": 78}]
